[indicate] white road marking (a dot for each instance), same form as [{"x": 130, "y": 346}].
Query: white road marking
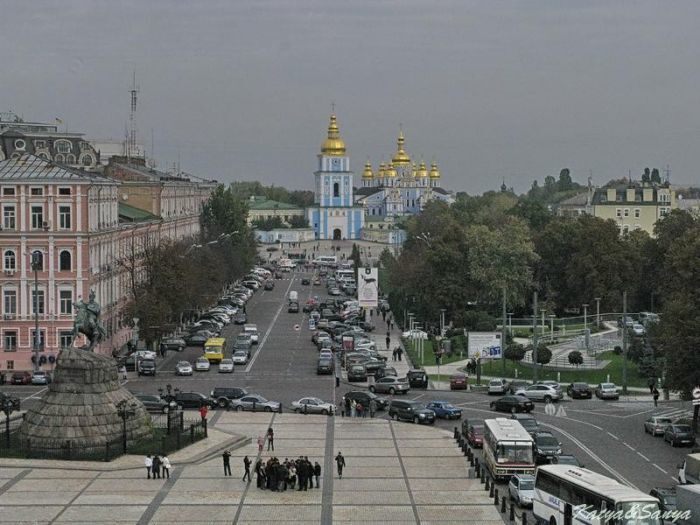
[
  {"x": 419, "y": 396},
  {"x": 613, "y": 436},
  {"x": 642, "y": 456},
  {"x": 658, "y": 467},
  {"x": 37, "y": 393},
  {"x": 629, "y": 446},
  {"x": 269, "y": 329}
]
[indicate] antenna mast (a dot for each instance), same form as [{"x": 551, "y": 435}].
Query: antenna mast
[{"x": 131, "y": 145}]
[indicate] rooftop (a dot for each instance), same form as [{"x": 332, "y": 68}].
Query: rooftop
[
  {"x": 128, "y": 213},
  {"x": 263, "y": 203},
  {"x": 31, "y": 167}
]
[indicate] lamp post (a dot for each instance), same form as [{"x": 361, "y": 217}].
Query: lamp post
[
  {"x": 597, "y": 311},
  {"x": 510, "y": 323},
  {"x": 551, "y": 326},
  {"x": 585, "y": 324},
  {"x": 8, "y": 407},
  {"x": 125, "y": 411},
  {"x": 35, "y": 269}
]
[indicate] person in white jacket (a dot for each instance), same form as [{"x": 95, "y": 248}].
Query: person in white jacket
[
  {"x": 165, "y": 462},
  {"x": 148, "y": 462}
]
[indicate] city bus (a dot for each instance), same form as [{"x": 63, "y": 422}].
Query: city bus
[
  {"x": 570, "y": 495},
  {"x": 507, "y": 448},
  {"x": 327, "y": 260},
  {"x": 214, "y": 349}
]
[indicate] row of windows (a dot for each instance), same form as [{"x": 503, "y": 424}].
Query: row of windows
[
  {"x": 65, "y": 302},
  {"x": 37, "y": 260},
  {"x": 10, "y": 341},
  {"x": 9, "y": 217},
  {"x": 9, "y": 191}
]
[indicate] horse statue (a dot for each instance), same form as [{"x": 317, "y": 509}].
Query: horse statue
[{"x": 87, "y": 322}]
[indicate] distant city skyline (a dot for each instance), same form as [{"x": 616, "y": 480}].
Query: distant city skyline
[{"x": 490, "y": 90}]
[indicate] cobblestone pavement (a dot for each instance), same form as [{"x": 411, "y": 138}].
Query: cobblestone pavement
[{"x": 397, "y": 473}]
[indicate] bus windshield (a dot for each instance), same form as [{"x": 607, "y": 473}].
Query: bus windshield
[
  {"x": 513, "y": 452},
  {"x": 638, "y": 513}
]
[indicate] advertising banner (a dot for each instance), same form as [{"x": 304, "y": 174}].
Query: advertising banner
[
  {"x": 486, "y": 345},
  {"x": 368, "y": 287}
]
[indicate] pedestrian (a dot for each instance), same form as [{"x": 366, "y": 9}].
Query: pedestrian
[
  {"x": 383, "y": 315},
  {"x": 226, "y": 456},
  {"x": 388, "y": 324},
  {"x": 270, "y": 439},
  {"x": 372, "y": 407},
  {"x": 246, "y": 467},
  {"x": 392, "y": 325},
  {"x": 393, "y": 354},
  {"x": 340, "y": 462},
  {"x": 203, "y": 411},
  {"x": 122, "y": 371},
  {"x": 399, "y": 352},
  {"x": 301, "y": 473},
  {"x": 360, "y": 410},
  {"x": 261, "y": 442},
  {"x": 651, "y": 383},
  {"x": 155, "y": 467},
  {"x": 259, "y": 474},
  {"x": 149, "y": 464},
  {"x": 655, "y": 393},
  {"x": 165, "y": 464},
  {"x": 353, "y": 408},
  {"x": 317, "y": 473},
  {"x": 348, "y": 407},
  {"x": 388, "y": 340}
]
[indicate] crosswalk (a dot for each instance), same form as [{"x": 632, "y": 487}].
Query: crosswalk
[{"x": 678, "y": 413}]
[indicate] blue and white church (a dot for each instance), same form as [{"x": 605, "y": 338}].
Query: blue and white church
[{"x": 335, "y": 215}]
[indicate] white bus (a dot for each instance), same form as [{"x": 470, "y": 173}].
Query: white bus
[
  {"x": 343, "y": 274},
  {"x": 507, "y": 448},
  {"x": 568, "y": 495},
  {"x": 327, "y": 260}
]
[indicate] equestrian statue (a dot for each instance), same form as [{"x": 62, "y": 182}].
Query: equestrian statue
[{"x": 87, "y": 322}]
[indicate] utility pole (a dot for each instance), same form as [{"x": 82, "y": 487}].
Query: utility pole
[
  {"x": 503, "y": 332},
  {"x": 534, "y": 335},
  {"x": 624, "y": 343},
  {"x": 597, "y": 312},
  {"x": 35, "y": 269}
]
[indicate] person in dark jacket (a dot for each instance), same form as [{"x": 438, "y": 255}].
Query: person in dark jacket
[
  {"x": 226, "y": 457},
  {"x": 246, "y": 466},
  {"x": 155, "y": 468},
  {"x": 340, "y": 462},
  {"x": 260, "y": 474},
  {"x": 317, "y": 473}
]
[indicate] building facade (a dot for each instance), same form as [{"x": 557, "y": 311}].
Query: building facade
[
  {"x": 334, "y": 214},
  {"x": 262, "y": 208}
]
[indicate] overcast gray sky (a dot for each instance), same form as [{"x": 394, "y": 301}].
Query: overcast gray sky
[{"x": 490, "y": 89}]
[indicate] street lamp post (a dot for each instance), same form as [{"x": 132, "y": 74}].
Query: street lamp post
[
  {"x": 510, "y": 323},
  {"x": 624, "y": 343},
  {"x": 125, "y": 411},
  {"x": 551, "y": 326},
  {"x": 35, "y": 269},
  {"x": 585, "y": 324},
  {"x": 7, "y": 408},
  {"x": 597, "y": 311},
  {"x": 534, "y": 336}
]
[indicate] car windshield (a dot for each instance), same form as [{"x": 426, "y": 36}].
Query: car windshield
[
  {"x": 226, "y": 362},
  {"x": 547, "y": 441},
  {"x": 607, "y": 386},
  {"x": 527, "y": 484},
  {"x": 183, "y": 363},
  {"x": 202, "y": 360},
  {"x": 495, "y": 383},
  {"x": 662, "y": 420},
  {"x": 682, "y": 428}
]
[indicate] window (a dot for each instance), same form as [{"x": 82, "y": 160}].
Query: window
[
  {"x": 336, "y": 189},
  {"x": 39, "y": 143},
  {"x": 20, "y": 144},
  {"x": 618, "y": 212},
  {"x": 9, "y": 302},
  {"x": 59, "y": 157},
  {"x": 64, "y": 217},
  {"x": 37, "y": 261},
  {"x": 8, "y": 191},
  {"x": 10, "y": 365},
  {"x": 9, "y": 221},
  {"x": 627, "y": 212},
  {"x": 637, "y": 213},
  {"x": 37, "y": 217},
  {"x": 38, "y": 302},
  {"x": 664, "y": 211},
  {"x": 37, "y": 192},
  {"x": 64, "y": 261},
  {"x": 9, "y": 260},
  {"x": 86, "y": 160},
  {"x": 66, "y": 298},
  {"x": 63, "y": 146},
  {"x": 10, "y": 344},
  {"x": 41, "y": 341},
  {"x": 64, "y": 191},
  {"x": 70, "y": 158},
  {"x": 65, "y": 339}
]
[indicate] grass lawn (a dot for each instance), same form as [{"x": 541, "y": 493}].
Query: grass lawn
[
  {"x": 521, "y": 331},
  {"x": 614, "y": 368},
  {"x": 428, "y": 356}
]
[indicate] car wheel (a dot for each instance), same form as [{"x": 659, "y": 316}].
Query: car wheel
[
  {"x": 547, "y": 399},
  {"x": 392, "y": 391},
  {"x": 239, "y": 408},
  {"x": 371, "y": 388},
  {"x": 324, "y": 412},
  {"x": 268, "y": 409},
  {"x": 222, "y": 403},
  {"x": 164, "y": 410},
  {"x": 517, "y": 501}
]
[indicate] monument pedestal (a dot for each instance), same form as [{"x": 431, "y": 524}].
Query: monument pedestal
[{"x": 80, "y": 408}]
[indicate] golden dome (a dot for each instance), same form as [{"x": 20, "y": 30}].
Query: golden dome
[
  {"x": 367, "y": 174},
  {"x": 434, "y": 172},
  {"x": 382, "y": 171},
  {"x": 401, "y": 158},
  {"x": 333, "y": 146},
  {"x": 390, "y": 171},
  {"x": 414, "y": 170},
  {"x": 422, "y": 170}
]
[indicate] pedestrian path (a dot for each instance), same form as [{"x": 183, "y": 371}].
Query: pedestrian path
[{"x": 396, "y": 473}]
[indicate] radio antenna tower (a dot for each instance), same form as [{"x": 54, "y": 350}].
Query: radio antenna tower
[{"x": 131, "y": 145}]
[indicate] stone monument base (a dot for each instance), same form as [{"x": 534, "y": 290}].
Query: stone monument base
[{"x": 80, "y": 408}]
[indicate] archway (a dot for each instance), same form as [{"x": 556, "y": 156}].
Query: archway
[{"x": 337, "y": 234}]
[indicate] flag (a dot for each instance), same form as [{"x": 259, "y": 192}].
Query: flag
[{"x": 59, "y": 121}]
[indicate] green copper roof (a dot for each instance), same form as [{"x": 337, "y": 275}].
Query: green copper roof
[{"x": 130, "y": 214}]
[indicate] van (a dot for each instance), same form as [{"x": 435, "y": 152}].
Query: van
[
  {"x": 293, "y": 297},
  {"x": 214, "y": 349}
]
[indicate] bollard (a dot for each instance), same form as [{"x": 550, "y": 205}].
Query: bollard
[
  {"x": 495, "y": 497},
  {"x": 456, "y": 434},
  {"x": 512, "y": 512},
  {"x": 492, "y": 489},
  {"x": 478, "y": 471},
  {"x": 524, "y": 519},
  {"x": 486, "y": 484},
  {"x": 503, "y": 505},
  {"x": 466, "y": 451},
  {"x": 471, "y": 461}
]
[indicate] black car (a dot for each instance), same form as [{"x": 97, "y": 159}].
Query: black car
[
  {"x": 14, "y": 400},
  {"x": 196, "y": 339},
  {"x": 173, "y": 343},
  {"x": 357, "y": 372},
  {"x": 223, "y": 396},
  {"x": 365, "y": 397},
  {"x": 146, "y": 367},
  {"x": 666, "y": 497},
  {"x": 512, "y": 404},
  {"x": 153, "y": 403},
  {"x": 417, "y": 378},
  {"x": 269, "y": 285},
  {"x": 579, "y": 391},
  {"x": 325, "y": 366},
  {"x": 385, "y": 371},
  {"x": 546, "y": 447},
  {"x": 528, "y": 422},
  {"x": 192, "y": 400},
  {"x": 293, "y": 308},
  {"x": 409, "y": 410},
  {"x": 305, "y": 281}
]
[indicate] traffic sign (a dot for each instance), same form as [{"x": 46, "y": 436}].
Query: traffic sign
[{"x": 696, "y": 392}]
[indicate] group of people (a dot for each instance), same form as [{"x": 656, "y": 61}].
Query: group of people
[
  {"x": 157, "y": 466},
  {"x": 397, "y": 354},
  {"x": 288, "y": 474},
  {"x": 353, "y": 408}
]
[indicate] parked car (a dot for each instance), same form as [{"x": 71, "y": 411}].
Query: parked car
[
  {"x": 324, "y": 366},
  {"x": 546, "y": 447},
  {"x": 313, "y": 405},
  {"x": 202, "y": 364},
  {"x": 656, "y": 425},
  {"x": 679, "y": 435},
  {"x": 243, "y": 342},
  {"x": 13, "y": 400},
  {"x": 417, "y": 378},
  {"x": 183, "y": 368},
  {"x": 364, "y": 397},
  {"x": 269, "y": 285},
  {"x": 40, "y": 378},
  {"x": 518, "y": 384},
  {"x": 521, "y": 489},
  {"x": 226, "y": 366},
  {"x": 528, "y": 422},
  {"x": 512, "y": 404},
  {"x": 240, "y": 357},
  {"x": 625, "y": 321},
  {"x": 567, "y": 459},
  {"x": 540, "y": 392},
  {"x": 390, "y": 385},
  {"x": 579, "y": 391},
  {"x": 548, "y": 382},
  {"x": 252, "y": 331},
  {"x": 293, "y": 308},
  {"x": 146, "y": 367},
  {"x": 475, "y": 433},
  {"x": 155, "y": 404},
  {"x": 222, "y": 396},
  {"x": 444, "y": 410},
  {"x": 666, "y": 497},
  {"x": 255, "y": 403},
  {"x": 196, "y": 339},
  {"x": 458, "y": 381},
  {"x": 409, "y": 410},
  {"x": 173, "y": 343},
  {"x": 192, "y": 400},
  {"x": 606, "y": 391},
  {"x": 498, "y": 386},
  {"x": 357, "y": 372},
  {"x": 305, "y": 281},
  {"x": 240, "y": 318}
]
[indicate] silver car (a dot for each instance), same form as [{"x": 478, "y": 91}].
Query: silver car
[
  {"x": 606, "y": 391},
  {"x": 498, "y": 386},
  {"x": 255, "y": 403},
  {"x": 183, "y": 368},
  {"x": 313, "y": 405},
  {"x": 656, "y": 425},
  {"x": 540, "y": 393},
  {"x": 521, "y": 489},
  {"x": 390, "y": 385},
  {"x": 226, "y": 366}
]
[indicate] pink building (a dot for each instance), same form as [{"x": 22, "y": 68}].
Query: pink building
[{"x": 85, "y": 236}]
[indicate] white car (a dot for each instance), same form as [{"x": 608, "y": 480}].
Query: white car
[
  {"x": 521, "y": 489},
  {"x": 240, "y": 357},
  {"x": 498, "y": 386},
  {"x": 226, "y": 366},
  {"x": 325, "y": 354},
  {"x": 415, "y": 334},
  {"x": 202, "y": 364},
  {"x": 145, "y": 354},
  {"x": 313, "y": 405},
  {"x": 252, "y": 331},
  {"x": 638, "y": 329},
  {"x": 539, "y": 392},
  {"x": 183, "y": 368}
]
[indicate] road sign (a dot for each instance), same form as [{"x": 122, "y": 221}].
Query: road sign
[{"x": 696, "y": 392}]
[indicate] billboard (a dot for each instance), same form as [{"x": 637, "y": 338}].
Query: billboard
[
  {"x": 368, "y": 287},
  {"x": 486, "y": 345}
]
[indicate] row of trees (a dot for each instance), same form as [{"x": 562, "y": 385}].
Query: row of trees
[
  {"x": 247, "y": 189},
  {"x": 173, "y": 279}
]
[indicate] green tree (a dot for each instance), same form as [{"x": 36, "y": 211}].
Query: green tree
[
  {"x": 355, "y": 256},
  {"x": 575, "y": 358},
  {"x": 269, "y": 223},
  {"x": 565, "y": 183},
  {"x": 514, "y": 352},
  {"x": 544, "y": 354},
  {"x": 298, "y": 221},
  {"x": 655, "y": 177}
]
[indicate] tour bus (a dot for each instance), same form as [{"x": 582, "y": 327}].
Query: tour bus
[
  {"x": 507, "y": 448},
  {"x": 345, "y": 274},
  {"x": 286, "y": 264},
  {"x": 570, "y": 495},
  {"x": 214, "y": 349},
  {"x": 327, "y": 260}
]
